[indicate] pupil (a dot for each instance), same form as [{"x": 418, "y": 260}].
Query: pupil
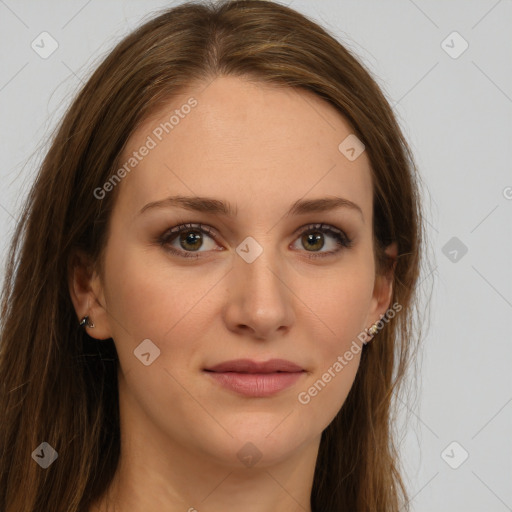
[
  {"x": 191, "y": 238},
  {"x": 312, "y": 238}
]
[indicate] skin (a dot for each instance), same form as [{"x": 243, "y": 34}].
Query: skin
[{"x": 261, "y": 148}]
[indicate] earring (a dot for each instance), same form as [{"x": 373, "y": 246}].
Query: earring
[
  {"x": 85, "y": 322},
  {"x": 371, "y": 332}
]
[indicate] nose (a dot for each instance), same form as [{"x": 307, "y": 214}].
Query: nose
[{"x": 260, "y": 301}]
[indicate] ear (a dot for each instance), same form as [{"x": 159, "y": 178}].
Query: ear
[
  {"x": 86, "y": 292},
  {"x": 383, "y": 288}
]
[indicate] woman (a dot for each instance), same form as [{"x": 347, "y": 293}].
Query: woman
[{"x": 210, "y": 295}]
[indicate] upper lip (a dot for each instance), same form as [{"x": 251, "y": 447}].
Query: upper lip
[{"x": 250, "y": 366}]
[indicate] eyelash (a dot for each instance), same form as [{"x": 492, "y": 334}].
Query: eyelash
[{"x": 340, "y": 237}]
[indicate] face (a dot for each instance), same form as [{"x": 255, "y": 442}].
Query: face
[{"x": 266, "y": 282}]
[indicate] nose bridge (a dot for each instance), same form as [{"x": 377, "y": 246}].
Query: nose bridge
[
  {"x": 259, "y": 295},
  {"x": 258, "y": 268}
]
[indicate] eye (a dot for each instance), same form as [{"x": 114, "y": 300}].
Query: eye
[
  {"x": 313, "y": 236},
  {"x": 191, "y": 238}
]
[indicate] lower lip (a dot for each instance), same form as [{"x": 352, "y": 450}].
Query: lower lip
[{"x": 256, "y": 384}]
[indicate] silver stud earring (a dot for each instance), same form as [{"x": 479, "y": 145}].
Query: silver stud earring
[{"x": 85, "y": 322}]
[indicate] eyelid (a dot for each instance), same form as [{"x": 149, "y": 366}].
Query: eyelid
[
  {"x": 319, "y": 226},
  {"x": 189, "y": 226}
]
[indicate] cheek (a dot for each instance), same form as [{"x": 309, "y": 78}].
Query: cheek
[
  {"x": 146, "y": 298},
  {"x": 341, "y": 310},
  {"x": 341, "y": 304}
]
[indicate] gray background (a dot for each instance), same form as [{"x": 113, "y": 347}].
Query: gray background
[{"x": 456, "y": 113}]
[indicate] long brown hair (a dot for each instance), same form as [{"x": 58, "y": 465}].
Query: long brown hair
[{"x": 60, "y": 386}]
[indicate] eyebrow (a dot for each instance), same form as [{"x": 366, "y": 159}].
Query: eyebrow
[{"x": 226, "y": 209}]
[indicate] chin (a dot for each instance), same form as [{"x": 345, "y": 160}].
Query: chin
[{"x": 258, "y": 443}]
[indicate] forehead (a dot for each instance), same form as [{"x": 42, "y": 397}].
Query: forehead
[{"x": 251, "y": 144}]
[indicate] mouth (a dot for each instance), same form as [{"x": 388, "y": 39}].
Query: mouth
[
  {"x": 250, "y": 366},
  {"x": 256, "y": 379}
]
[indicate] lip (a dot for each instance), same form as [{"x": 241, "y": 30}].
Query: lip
[
  {"x": 256, "y": 379},
  {"x": 250, "y": 366}
]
